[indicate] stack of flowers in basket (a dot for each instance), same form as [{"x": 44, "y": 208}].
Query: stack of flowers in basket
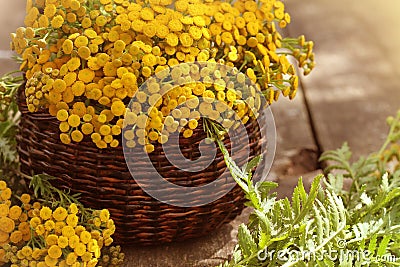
[{"x": 84, "y": 60}]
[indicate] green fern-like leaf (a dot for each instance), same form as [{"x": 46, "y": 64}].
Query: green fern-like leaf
[
  {"x": 246, "y": 241},
  {"x": 366, "y": 217},
  {"x": 307, "y": 201},
  {"x": 383, "y": 245}
]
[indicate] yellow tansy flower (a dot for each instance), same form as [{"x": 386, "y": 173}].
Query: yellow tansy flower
[
  {"x": 15, "y": 212},
  {"x": 80, "y": 249},
  {"x": 86, "y": 75},
  {"x": 74, "y": 120},
  {"x": 64, "y": 127},
  {"x": 76, "y": 136},
  {"x": 45, "y": 213},
  {"x": 54, "y": 252},
  {"x": 57, "y": 22},
  {"x": 65, "y": 138}
]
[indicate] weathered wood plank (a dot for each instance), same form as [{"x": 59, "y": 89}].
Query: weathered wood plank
[
  {"x": 206, "y": 251},
  {"x": 356, "y": 83},
  {"x": 296, "y": 150}
]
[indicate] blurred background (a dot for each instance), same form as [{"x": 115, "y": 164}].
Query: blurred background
[
  {"x": 12, "y": 15},
  {"x": 356, "y": 82}
]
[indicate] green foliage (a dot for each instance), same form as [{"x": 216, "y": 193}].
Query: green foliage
[
  {"x": 9, "y": 84},
  {"x": 8, "y": 154},
  {"x": 331, "y": 225},
  {"x": 9, "y": 118},
  {"x": 50, "y": 195}
]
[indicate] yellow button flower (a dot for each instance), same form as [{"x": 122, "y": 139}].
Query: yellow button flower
[
  {"x": 86, "y": 75},
  {"x": 80, "y": 249},
  {"x": 84, "y": 52},
  {"x": 65, "y": 138},
  {"x": 50, "y": 10},
  {"x": 62, "y": 115},
  {"x": 15, "y": 212},
  {"x": 105, "y": 130},
  {"x": 181, "y": 5},
  {"x": 45, "y": 213},
  {"x": 71, "y": 258},
  {"x": 57, "y": 22},
  {"x": 175, "y": 25},
  {"x": 54, "y": 252},
  {"x": 147, "y": 14},
  {"x": 195, "y": 32},
  {"x": 49, "y": 225},
  {"x": 74, "y": 120},
  {"x": 96, "y": 137},
  {"x": 186, "y": 39},
  {"x": 148, "y": 148},
  {"x": 252, "y": 28},
  {"x": 150, "y": 29},
  {"x": 62, "y": 242},
  {"x": 149, "y": 60},
  {"x": 76, "y": 136},
  {"x": 187, "y": 133},
  {"x": 51, "y": 239},
  {"x": 64, "y": 127},
  {"x": 67, "y": 46},
  {"x": 16, "y": 237},
  {"x": 172, "y": 39},
  {"x": 101, "y": 21},
  {"x": 118, "y": 108},
  {"x": 146, "y": 71},
  {"x": 60, "y": 213}
]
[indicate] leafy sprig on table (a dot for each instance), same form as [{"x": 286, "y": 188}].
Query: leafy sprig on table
[
  {"x": 329, "y": 226},
  {"x": 9, "y": 118},
  {"x": 9, "y": 84}
]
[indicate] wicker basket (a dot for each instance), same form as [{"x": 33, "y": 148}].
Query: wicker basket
[{"x": 103, "y": 179}]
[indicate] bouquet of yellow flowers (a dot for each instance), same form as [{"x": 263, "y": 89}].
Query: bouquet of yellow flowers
[
  {"x": 55, "y": 231},
  {"x": 84, "y": 60}
]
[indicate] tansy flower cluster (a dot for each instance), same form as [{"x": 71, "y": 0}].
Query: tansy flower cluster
[
  {"x": 33, "y": 234},
  {"x": 14, "y": 220},
  {"x": 85, "y": 59},
  {"x": 193, "y": 91}
]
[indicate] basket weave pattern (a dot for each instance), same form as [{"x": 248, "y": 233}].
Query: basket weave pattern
[{"x": 104, "y": 181}]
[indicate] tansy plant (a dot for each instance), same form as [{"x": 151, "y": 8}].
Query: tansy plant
[
  {"x": 330, "y": 225},
  {"x": 83, "y": 60},
  {"x": 52, "y": 228}
]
